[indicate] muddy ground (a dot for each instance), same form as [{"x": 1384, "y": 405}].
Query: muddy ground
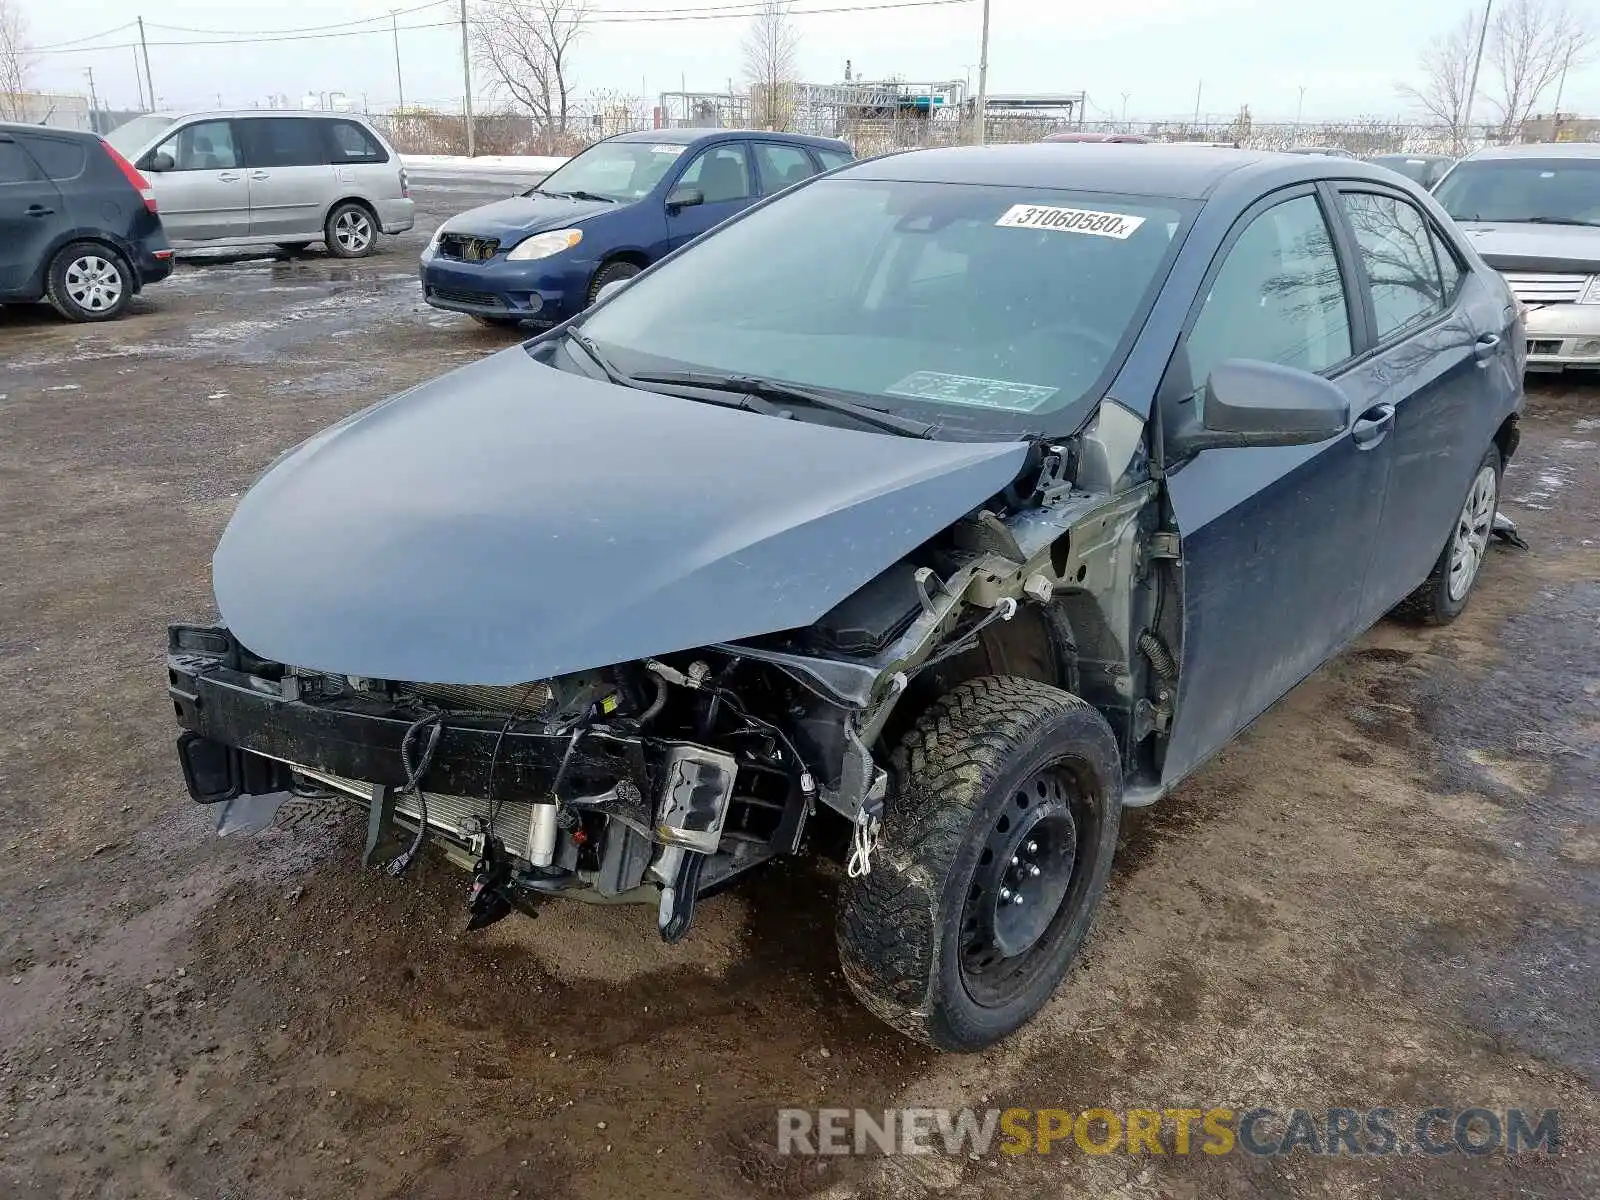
[{"x": 1386, "y": 893}]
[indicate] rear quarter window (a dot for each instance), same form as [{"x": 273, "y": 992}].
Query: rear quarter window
[
  {"x": 61, "y": 159},
  {"x": 833, "y": 158},
  {"x": 350, "y": 143}
]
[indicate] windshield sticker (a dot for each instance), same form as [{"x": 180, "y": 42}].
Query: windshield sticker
[
  {"x": 1070, "y": 220},
  {"x": 663, "y": 148},
  {"x": 966, "y": 389}
]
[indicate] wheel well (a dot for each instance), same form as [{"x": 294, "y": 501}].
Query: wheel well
[
  {"x": 362, "y": 201},
  {"x": 1036, "y": 644},
  {"x": 627, "y": 256},
  {"x": 1507, "y": 437},
  {"x": 91, "y": 239}
]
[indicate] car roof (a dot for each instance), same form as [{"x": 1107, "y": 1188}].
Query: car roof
[
  {"x": 11, "y": 127},
  {"x": 1159, "y": 169},
  {"x": 1538, "y": 150},
  {"x": 236, "y": 113},
  {"x": 684, "y": 137}
]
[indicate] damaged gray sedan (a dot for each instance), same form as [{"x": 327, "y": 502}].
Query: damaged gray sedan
[{"x": 923, "y": 517}]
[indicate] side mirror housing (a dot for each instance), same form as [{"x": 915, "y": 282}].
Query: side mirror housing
[
  {"x": 685, "y": 197},
  {"x": 160, "y": 162},
  {"x": 1250, "y": 403}
]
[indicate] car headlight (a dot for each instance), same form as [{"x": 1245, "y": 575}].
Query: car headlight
[
  {"x": 543, "y": 245},
  {"x": 1592, "y": 295}
]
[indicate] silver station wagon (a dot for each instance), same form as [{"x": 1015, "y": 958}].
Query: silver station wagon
[{"x": 273, "y": 176}]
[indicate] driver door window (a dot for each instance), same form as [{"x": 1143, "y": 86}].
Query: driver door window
[
  {"x": 1279, "y": 296},
  {"x": 721, "y": 173},
  {"x": 207, "y": 146}
]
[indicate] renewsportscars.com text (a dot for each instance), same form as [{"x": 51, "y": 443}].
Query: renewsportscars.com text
[{"x": 1176, "y": 1131}]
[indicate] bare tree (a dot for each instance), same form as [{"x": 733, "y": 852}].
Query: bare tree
[
  {"x": 1530, "y": 43},
  {"x": 1446, "y": 75},
  {"x": 771, "y": 65},
  {"x": 16, "y": 62},
  {"x": 526, "y": 47}
]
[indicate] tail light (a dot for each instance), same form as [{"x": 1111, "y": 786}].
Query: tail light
[{"x": 131, "y": 173}]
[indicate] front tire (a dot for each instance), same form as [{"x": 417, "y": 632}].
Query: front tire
[
  {"x": 89, "y": 282},
  {"x": 611, "y": 273},
  {"x": 351, "y": 231},
  {"x": 1443, "y": 595},
  {"x": 1004, "y": 788}
]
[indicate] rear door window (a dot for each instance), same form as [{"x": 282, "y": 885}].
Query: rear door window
[
  {"x": 15, "y": 165},
  {"x": 782, "y": 166},
  {"x": 350, "y": 143},
  {"x": 1395, "y": 246},
  {"x": 206, "y": 146},
  {"x": 283, "y": 142},
  {"x": 61, "y": 159}
]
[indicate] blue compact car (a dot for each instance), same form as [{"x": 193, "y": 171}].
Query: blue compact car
[{"x": 607, "y": 215}]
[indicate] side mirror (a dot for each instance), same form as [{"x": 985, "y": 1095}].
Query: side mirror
[
  {"x": 609, "y": 289},
  {"x": 1251, "y": 403},
  {"x": 161, "y": 162},
  {"x": 685, "y": 197}
]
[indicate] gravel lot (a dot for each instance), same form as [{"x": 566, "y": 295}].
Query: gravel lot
[{"x": 1386, "y": 893}]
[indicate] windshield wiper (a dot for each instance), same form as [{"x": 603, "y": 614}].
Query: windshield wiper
[
  {"x": 1561, "y": 221},
  {"x": 752, "y": 403},
  {"x": 580, "y": 194},
  {"x": 772, "y": 389},
  {"x": 586, "y": 343}
]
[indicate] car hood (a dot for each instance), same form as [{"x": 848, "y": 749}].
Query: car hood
[
  {"x": 516, "y": 217},
  {"x": 510, "y": 522},
  {"x": 1517, "y": 246}
]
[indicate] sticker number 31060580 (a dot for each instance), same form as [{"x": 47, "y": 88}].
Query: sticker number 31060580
[{"x": 1070, "y": 220}]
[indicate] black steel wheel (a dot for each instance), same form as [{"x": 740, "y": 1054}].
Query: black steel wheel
[{"x": 997, "y": 842}]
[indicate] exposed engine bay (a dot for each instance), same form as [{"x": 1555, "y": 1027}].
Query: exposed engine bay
[{"x": 662, "y": 779}]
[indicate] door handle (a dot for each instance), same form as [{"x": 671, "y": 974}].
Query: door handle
[
  {"x": 259, "y": 175},
  {"x": 39, "y": 210},
  {"x": 229, "y": 177},
  {"x": 1486, "y": 346},
  {"x": 1372, "y": 425}
]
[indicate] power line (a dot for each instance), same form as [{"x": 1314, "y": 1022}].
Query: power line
[
  {"x": 404, "y": 12},
  {"x": 87, "y": 38},
  {"x": 665, "y": 15}
]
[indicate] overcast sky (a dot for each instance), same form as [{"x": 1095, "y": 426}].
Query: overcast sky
[{"x": 1347, "y": 55}]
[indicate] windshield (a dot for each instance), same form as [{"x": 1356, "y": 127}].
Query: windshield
[
  {"x": 991, "y": 307},
  {"x": 1555, "y": 190},
  {"x": 138, "y": 133},
  {"x": 615, "y": 170}
]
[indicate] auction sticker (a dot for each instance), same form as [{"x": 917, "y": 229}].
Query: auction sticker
[
  {"x": 1070, "y": 220},
  {"x": 968, "y": 389},
  {"x": 666, "y": 148}
]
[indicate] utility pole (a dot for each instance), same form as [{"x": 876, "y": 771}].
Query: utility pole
[
  {"x": 1472, "y": 88},
  {"x": 94, "y": 103},
  {"x": 980, "y": 110},
  {"x": 394, "y": 20},
  {"x": 138, "y": 80},
  {"x": 1300, "y": 106},
  {"x": 1125, "y": 96},
  {"x": 149, "y": 81},
  {"x": 1199, "y": 83},
  {"x": 466, "y": 79},
  {"x": 1561, "y": 86}
]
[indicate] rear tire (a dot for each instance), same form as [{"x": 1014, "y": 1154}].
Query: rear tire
[
  {"x": 89, "y": 282},
  {"x": 1444, "y": 594},
  {"x": 351, "y": 231},
  {"x": 611, "y": 272},
  {"x": 1004, "y": 787}
]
